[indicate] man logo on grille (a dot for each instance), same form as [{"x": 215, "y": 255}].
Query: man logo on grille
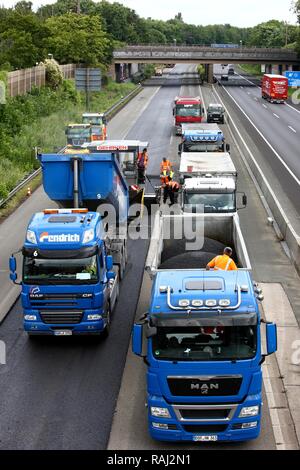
[{"x": 204, "y": 388}]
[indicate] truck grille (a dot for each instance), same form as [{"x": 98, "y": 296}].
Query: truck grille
[
  {"x": 210, "y": 412},
  {"x": 205, "y": 386},
  {"x": 61, "y": 317},
  {"x": 205, "y": 414},
  {"x": 205, "y": 428},
  {"x": 55, "y": 300}
]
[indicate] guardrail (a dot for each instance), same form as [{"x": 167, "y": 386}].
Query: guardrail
[
  {"x": 19, "y": 187},
  {"x": 110, "y": 113}
]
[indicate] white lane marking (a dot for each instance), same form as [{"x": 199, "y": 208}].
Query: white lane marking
[
  {"x": 202, "y": 98},
  {"x": 292, "y": 107},
  {"x": 265, "y": 106},
  {"x": 292, "y": 129},
  {"x": 263, "y": 137},
  {"x": 249, "y": 81},
  {"x": 276, "y": 115}
]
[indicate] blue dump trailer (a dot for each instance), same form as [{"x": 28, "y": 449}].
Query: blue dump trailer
[
  {"x": 74, "y": 258},
  {"x": 201, "y": 337}
]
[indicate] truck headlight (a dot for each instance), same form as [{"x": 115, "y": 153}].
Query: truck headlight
[
  {"x": 31, "y": 238},
  {"x": 94, "y": 317},
  {"x": 248, "y": 411},
  {"x": 30, "y": 317},
  {"x": 160, "y": 412},
  {"x": 88, "y": 235}
]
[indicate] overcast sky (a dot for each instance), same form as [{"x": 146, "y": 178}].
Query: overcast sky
[{"x": 235, "y": 12}]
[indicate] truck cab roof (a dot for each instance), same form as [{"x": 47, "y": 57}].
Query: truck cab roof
[
  {"x": 203, "y": 135},
  {"x": 200, "y": 127},
  {"x": 200, "y": 292},
  {"x": 216, "y": 163},
  {"x": 68, "y": 229},
  {"x": 208, "y": 183}
]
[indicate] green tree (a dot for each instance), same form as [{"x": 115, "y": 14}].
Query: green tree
[{"x": 79, "y": 39}]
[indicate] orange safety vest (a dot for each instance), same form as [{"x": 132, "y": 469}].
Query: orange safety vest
[
  {"x": 222, "y": 262},
  {"x": 165, "y": 166}
]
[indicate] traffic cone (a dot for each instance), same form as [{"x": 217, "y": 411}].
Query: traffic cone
[{"x": 28, "y": 191}]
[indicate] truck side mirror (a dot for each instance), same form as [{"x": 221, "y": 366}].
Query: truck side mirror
[
  {"x": 228, "y": 148},
  {"x": 110, "y": 275},
  {"x": 179, "y": 148},
  {"x": 104, "y": 120},
  {"x": 137, "y": 339},
  {"x": 244, "y": 200},
  {"x": 223, "y": 110},
  {"x": 12, "y": 264},
  {"x": 13, "y": 268},
  {"x": 271, "y": 338},
  {"x": 109, "y": 262},
  {"x": 173, "y": 111}
]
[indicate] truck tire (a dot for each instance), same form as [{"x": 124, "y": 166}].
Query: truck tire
[{"x": 106, "y": 330}]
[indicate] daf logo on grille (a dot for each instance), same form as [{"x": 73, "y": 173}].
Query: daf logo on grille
[{"x": 204, "y": 388}]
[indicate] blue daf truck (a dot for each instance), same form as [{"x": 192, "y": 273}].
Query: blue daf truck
[
  {"x": 201, "y": 337},
  {"x": 73, "y": 256}
]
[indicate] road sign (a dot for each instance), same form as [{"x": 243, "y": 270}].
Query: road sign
[
  {"x": 293, "y": 77},
  {"x": 88, "y": 79}
]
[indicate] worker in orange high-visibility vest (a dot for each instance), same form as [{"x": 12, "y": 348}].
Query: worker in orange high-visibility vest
[
  {"x": 165, "y": 165},
  {"x": 223, "y": 262}
]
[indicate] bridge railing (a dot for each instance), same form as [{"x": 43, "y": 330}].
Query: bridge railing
[{"x": 202, "y": 47}]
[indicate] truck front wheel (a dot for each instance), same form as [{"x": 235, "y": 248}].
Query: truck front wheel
[{"x": 106, "y": 330}]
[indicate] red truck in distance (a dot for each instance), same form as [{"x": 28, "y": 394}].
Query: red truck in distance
[
  {"x": 274, "y": 88},
  {"x": 187, "y": 109}
]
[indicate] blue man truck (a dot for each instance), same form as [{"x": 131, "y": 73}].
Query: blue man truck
[
  {"x": 201, "y": 337},
  {"x": 74, "y": 258}
]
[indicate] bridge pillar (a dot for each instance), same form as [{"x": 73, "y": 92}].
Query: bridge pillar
[
  {"x": 209, "y": 73},
  {"x": 276, "y": 69}
]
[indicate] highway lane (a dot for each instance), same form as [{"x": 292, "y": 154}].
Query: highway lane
[{"x": 62, "y": 394}]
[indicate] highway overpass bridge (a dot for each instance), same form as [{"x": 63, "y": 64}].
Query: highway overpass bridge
[
  {"x": 204, "y": 55},
  {"x": 276, "y": 60}
]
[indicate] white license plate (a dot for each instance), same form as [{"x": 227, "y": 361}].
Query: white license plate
[
  {"x": 205, "y": 438},
  {"x": 62, "y": 332}
]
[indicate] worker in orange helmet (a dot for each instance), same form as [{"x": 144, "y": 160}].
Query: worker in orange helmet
[{"x": 223, "y": 262}]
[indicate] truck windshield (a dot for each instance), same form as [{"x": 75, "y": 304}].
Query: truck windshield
[
  {"x": 202, "y": 147},
  {"x": 215, "y": 109},
  {"x": 60, "y": 271},
  {"x": 205, "y": 343},
  {"x": 210, "y": 202},
  {"x": 78, "y": 133},
  {"x": 97, "y": 121},
  {"x": 190, "y": 110}
]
